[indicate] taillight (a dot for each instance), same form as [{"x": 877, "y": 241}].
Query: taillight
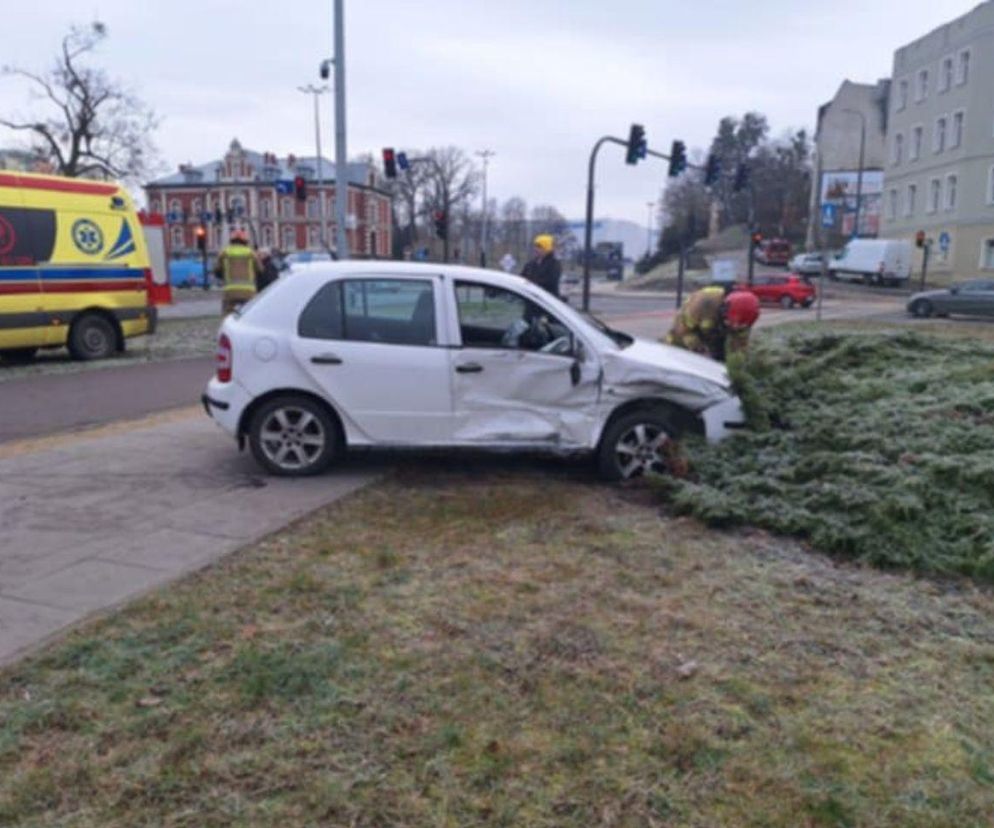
[{"x": 222, "y": 359}]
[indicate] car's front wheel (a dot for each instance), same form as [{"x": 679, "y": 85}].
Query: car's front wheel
[
  {"x": 786, "y": 302},
  {"x": 637, "y": 444},
  {"x": 294, "y": 436},
  {"x": 922, "y": 308}
]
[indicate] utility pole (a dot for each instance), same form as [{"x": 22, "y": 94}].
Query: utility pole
[
  {"x": 486, "y": 155},
  {"x": 341, "y": 156},
  {"x": 316, "y": 91},
  {"x": 648, "y": 230}
]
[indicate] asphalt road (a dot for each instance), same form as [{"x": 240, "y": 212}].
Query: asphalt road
[{"x": 36, "y": 406}]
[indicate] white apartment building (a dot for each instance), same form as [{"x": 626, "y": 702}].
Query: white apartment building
[{"x": 939, "y": 173}]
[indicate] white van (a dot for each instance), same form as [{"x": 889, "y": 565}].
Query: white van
[{"x": 874, "y": 261}]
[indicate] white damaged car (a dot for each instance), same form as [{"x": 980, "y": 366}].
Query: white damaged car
[{"x": 394, "y": 354}]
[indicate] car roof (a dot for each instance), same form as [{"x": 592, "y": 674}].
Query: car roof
[{"x": 381, "y": 267}]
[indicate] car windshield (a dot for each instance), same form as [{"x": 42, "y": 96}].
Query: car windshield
[{"x": 622, "y": 340}]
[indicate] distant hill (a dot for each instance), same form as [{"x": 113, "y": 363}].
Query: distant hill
[{"x": 630, "y": 234}]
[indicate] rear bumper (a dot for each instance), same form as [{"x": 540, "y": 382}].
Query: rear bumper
[{"x": 224, "y": 403}]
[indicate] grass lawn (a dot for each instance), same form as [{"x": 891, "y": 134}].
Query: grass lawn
[{"x": 513, "y": 646}]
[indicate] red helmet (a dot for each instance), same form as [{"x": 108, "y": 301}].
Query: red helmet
[{"x": 741, "y": 309}]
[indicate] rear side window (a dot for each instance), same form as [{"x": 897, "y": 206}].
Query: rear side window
[
  {"x": 322, "y": 318},
  {"x": 389, "y": 311}
]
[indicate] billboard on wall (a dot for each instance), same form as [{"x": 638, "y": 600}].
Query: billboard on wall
[{"x": 839, "y": 187}]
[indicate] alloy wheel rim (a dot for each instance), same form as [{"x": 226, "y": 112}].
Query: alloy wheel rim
[
  {"x": 641, "y": 450},
  {"x": 292, "y": 438}
]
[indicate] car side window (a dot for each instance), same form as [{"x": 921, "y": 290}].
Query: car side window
[
  {"x": 491, "y": 317},
  {"x": 389, "y": 311},
  {"x": 395, "y": 311}
]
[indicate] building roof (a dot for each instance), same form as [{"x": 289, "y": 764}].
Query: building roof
[{"x": 198, "y": 174}]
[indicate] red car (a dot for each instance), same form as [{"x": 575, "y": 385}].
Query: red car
[{"x": 786, "y": 291}]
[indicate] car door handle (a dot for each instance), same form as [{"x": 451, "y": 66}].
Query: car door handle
[
  {"x": 469, "y": 368},
  {"x": 326, "y": 359}
]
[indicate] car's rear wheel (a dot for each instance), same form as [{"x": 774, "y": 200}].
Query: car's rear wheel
[
  {"x": 922, "y": 308},
  {"x": 294, "y": 436},
  {"x": 18, "y": 356},
  {"x": 92, "y": 336},
  {"x": 786, "y": 302},
  {"x": 637, "y": 444}
]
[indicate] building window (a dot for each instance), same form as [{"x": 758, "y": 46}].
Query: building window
[
  {"x": 289, "y": 239},
  {"x": 963, "y": 67},
  {"x": 312, "y": 207},
  {"x": 892, "y": 205},
  {"x": 174, "y": 206},
  {"x": 902, "y": 95},
  {"x": 313, "y": 236},
  {"x": 950, "y": 192},
  {"x": 915, "y": 148},
  {"x": 286, "y": 208},
  {"x": 898, "y": 149},
  {"x": 921, "y": 91},
  {"x": 265, "y": 208},
  {"x": 154, "y": 205},
  {"x": 956, "y": 137},
  {"x": 176, "y": 238},
  {"x": 267, "y": 236},
  {"x": 934, "y": 195},
  {"x": 987, "y": 255},
  {"x": 909, "y": 208},
  {"x": 946, "y": 75},
  {"x": 990, "y": 186},
  {"x": 939, "y": 140}
]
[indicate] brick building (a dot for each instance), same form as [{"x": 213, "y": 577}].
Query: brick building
[{"x": 254, "y": 191}]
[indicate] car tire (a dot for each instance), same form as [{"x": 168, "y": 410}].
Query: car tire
[
  {"x": 922, "y": 308},
  {"x": 92, "y": 336},
  {"x": 18, "y": 356},
  {"x": 636, "y": 444},
  {"x": 807, "y": 303},
  {"x": 786, "y": 302},
  {"x": 294, "y": 436}
]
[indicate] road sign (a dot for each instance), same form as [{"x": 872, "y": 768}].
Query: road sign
[
  {"x": 173, "y": 216},
  {"x": 944, "y": 241},
  {"x": 828, "y": 215},
  {"x": 284, "y": 187}
]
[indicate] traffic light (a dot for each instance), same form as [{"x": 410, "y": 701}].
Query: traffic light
[
  {"x": 712, "y": 172},
  {"x": 201, "y": 235},
  {"x": 389, "y": 163},
  {"x": 920, "y": 238},
  {"x": 678, "y": 158},
  {"x": 300, "y": 188},
  {"x": 741, "y": 178},
  {"x": 757, "y": 239},
  {"x": 325, "y": 69},
  {"x": 637, "y": 144},
  {"x": 441, "y": 224}
]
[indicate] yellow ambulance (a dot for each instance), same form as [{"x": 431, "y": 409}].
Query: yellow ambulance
[{"x": 74, "y": 267}]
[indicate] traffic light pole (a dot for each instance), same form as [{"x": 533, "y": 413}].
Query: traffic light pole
[
  {"x": 341, "y": 156},
  {"x": 589, "y": 225}
]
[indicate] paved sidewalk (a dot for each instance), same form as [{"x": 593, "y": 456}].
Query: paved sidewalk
[{"x": 91, "y": 520}]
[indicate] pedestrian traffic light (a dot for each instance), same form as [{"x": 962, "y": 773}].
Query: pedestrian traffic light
[
  {"x": 300, "y": 188},
  {"x": 441, "y": 224},
  {"x": 637, "y": 144},
  {"x": 712, "y": 172},
  {"x": 741, "y": 178},
  {"x": 920, "y": 238},
  {"x": 201, "y": 235},
  {"x": 389, "y": 163},
  {"x": 678, "y": 158}
]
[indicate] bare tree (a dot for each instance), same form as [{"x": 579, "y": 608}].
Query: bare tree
[
  {"x": 514, "y": 227},
  {"x": 451, "y": 180},
  {"x": 93, "y": 126}
]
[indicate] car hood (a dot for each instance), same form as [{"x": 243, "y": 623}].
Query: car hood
[
  {"x": 688, "y": 379},
  {"x": 928, "y": 294}
]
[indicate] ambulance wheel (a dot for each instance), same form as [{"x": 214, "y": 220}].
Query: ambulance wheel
[
  {"x": 92, "y": 337},
  {"x": 18, "y": 356}
]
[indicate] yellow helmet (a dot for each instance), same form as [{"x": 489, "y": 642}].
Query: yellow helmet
[{"x": 545, "y": 242}]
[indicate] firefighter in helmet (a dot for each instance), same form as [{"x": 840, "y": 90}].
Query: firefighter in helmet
[
  {"x": 714, "y": 323},
  {"x": 238, "y": 269}
]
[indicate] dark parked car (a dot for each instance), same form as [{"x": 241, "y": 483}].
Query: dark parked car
[{"x": 973, "y": 298}]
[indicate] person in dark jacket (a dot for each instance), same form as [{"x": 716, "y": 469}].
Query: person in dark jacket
[
  {"x": 544, "y": 269},
  {"x": 268, "y": 271}
]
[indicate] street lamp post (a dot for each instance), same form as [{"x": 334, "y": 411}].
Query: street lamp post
[
  {"x": 486, "y": 155},
  {"x": 316, "y": 91},
  {"x": 859, "y": 173}
]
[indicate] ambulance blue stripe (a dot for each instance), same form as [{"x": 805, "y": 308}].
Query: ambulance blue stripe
[{"x": 65, "y": 273}]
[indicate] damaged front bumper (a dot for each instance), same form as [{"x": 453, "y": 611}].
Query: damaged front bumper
[{"x": 722, "y": 419}]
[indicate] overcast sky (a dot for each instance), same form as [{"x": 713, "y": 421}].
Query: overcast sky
[{"x": 536, "y": 81}]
